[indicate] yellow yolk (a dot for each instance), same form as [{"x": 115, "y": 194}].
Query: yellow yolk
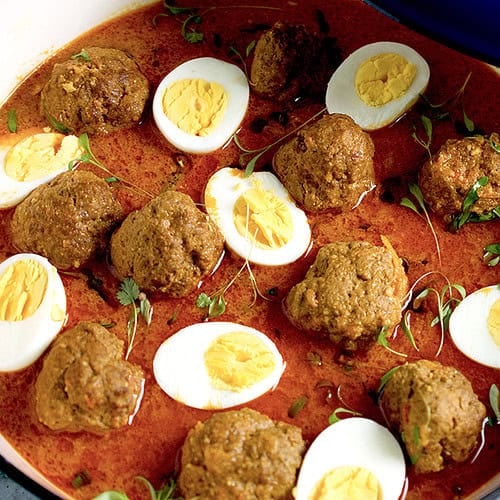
[
  {"x": 22, "y": 288},
  {"x": 264, "y": 217},
  {"x": 348, "y": 483},
  {"x": 383, "y": 78},
  {"x": 41, "y": 154},
  {"x": 494, "y": 321},
  {"x": 238, "y": 360},
  {"x": 195, "y": 106}
]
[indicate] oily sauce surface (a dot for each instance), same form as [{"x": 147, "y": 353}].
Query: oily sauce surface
[{"x": 141, "y": 155}]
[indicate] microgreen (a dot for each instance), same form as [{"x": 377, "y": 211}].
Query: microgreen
[
  {"x": 81, "y": 479},
  {"x": 216, "y": 303},
  {"x": 256, "y": 154},
  {"x": 405, "y": 326},
  {"x": 297, "y": 406},
  {"x": 189, "y": 16},
  {"x": 167, "y": 492},
  {"x": 242, "y": 58},
  {"x": 466, "y": 215},
  {"x": 12, "y": 121},
  {"x": 408, "y": 203},
  {"x": 494, "y": 145},
  {"x": 314, "y": 358},
  {"x": 334, "y": 416},
  {"x": 469, "y": 124},
  {"x": 382, "y": 340},
  {"x": 446, "y": 298},
  {"x": 89, "y": 157},
  {"x": 416, "y": 440},
  {"x": 427, "y": 126},
  {"x": 57, "y": 125},
  {"x": 112, "y": 495},
  {"x": 493, "y": 396},
  {"x": 491, "y": 255},
  {"x": 83, "y": 54},
  {"x": 129, "y": 294},
  {"x": 385, "y": 378}
]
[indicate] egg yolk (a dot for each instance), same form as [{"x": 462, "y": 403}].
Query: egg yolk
[
  {"x": 22, "y": 288},
  {"x": 41, "y": 154},
  {"x": 238, "y": 360},
  {"x": 263, "y": 217},
  {"x": 195, "y": 106},
  {"x": 383, "y": 78},
  {"x": 494, "y": 321},
  {"x": 348, "y": 483}
]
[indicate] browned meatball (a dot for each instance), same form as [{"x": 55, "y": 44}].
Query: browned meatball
[
  {"x": 350, "y": 292},
  {"x": 290, "y": 61},
  {"x": 240, "y": 454},
  {"x": 436, "y": 411},
  {"x": 168, "y": 246},
  {"x": 98, "y": 92},
  {"x": 448, "y": 177},
  {"x": 85, "y": 384},
  {"x": 67, "y": 220},
  {"x": 327, "y": 165}
]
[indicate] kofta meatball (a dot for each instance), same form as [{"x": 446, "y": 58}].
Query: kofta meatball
[
  {"x": 167, "y": 246},
  {"x": 448, "y": 177},
  {"x": 436, "y": 411},
  {"x": 327, "y": 165},
  {"x": 350, "y": 292},
  {"x": 85, "y": 384},
  {"x": 98, "y": 91},
  {"x": 240, "y": 454},
  {"x": 290, "y": 61},
  {"x": 67, "y": 220}
]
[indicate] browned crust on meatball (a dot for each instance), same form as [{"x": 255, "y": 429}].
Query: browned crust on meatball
[
  {"x": 240, "y": 454},
  {"x": 351, "y": 291},
  {"x": 290, "y": 61},
  {"x": 448, "y": 177},
  {"x": 98, "y": 94},
  {"x": 85, "y": 384},
  {"x": 327, "y": 165},
  {"x": 67, "y": 220},
  {"x": 436, "y": 411},
  {"x": 167, "y": 246}
]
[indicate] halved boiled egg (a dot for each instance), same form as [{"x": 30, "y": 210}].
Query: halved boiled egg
[
  {"x": 475, "y": 326},
  {"x": 353, "y": 458},
  {"x": 217, "y": 365},
  {"x": 257, "y": 216},
  {"x": 32, "y": 309},
  {"x": 377, "y": 83},
  {"x": 28, "y": 160},
  {"x": 200, "y": 104}
]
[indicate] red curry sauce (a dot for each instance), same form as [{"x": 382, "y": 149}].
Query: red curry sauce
[{"x": 149, "y": 446}]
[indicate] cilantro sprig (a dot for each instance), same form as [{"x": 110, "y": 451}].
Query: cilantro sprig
[{"x": 130, "y": 295}]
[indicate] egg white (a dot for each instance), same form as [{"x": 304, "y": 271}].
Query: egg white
[
  {"x": 342, "y": 97},
  {"x": 22, "y": 342},
  {"x": 357, "y": 442},
  {"x": 179, "y": 367},
  {"x": 225, "y": 187},
  {"x": 235, "y": 84},
  {"x": 469, "y": 329},
  {"x": 12, "y": 191}
]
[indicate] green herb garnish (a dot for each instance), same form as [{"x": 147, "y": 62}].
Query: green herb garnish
[
  {"x": 129, "y": 294},
  {"x": 425, "y": 143},
  {"x": 494, "y": 403},
  {"x": 256, "y": 154},
  {"x": 81, "y": 479},
  {"x": 470, "y": 199},
  {"x": 314, "y": 358},
  {"x": 382, "y": 340},
  {"x": 491, "y": 255},
  {"x": 297, "y": 406},
  {"x": 216, "y": 303},
  {"x": 57, "y": 125},
  {"x": 385, "y": 378},
  {"x": 89, "y": 157},
  {"x": 495, "y": 146},
  {"x": 83, "y": 54},
  {"x": 334, "y": 417},
  {"x": 242, "y": 59},
  {"x": 112, "y": 495},
  {"x": 408, "y": 203},
  {"x": 12, "y": 121},
  {"x": 167, "y": 492}
]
